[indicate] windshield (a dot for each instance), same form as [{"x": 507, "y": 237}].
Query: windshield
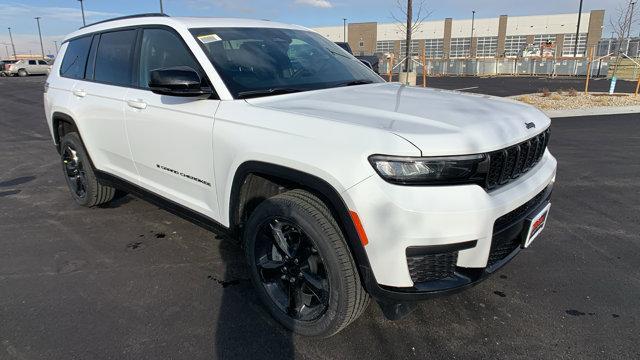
[{"x": 266, "y": 61}]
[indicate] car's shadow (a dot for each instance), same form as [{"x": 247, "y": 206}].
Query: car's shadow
[{"x": 244, "y": 329}]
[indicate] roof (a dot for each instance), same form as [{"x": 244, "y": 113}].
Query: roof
[{"x": 183, "y": 22}]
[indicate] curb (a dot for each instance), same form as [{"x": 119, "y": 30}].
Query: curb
[{"x": 605, "y": 110}]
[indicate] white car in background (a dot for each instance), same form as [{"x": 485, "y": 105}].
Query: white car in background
[
  {"x": 28, "y": 67},
  {"x": 340, "y": 186}
]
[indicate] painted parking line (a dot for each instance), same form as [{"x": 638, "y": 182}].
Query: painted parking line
[{"x": 467, "y": 88}]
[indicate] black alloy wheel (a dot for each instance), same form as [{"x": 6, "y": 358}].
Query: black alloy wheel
[
  {"x": 74, "y": 170},
  {"x": 291, "y": 269},
  {"x": 79, "y": 175},
  {"x": 301, "y": 265}
]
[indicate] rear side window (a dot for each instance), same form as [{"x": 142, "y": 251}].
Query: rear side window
[
  {"x": 114, "y": 58},
  {"x": 75, "y": 58}
]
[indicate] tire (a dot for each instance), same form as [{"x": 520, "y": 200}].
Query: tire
[
  {"x": 329, "y": 285},
  {"x": 85, "y": 188},
  {"x": 22, "y": 73}
]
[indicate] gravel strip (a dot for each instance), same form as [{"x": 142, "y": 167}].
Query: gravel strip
[{"x": 572, "y": 100}]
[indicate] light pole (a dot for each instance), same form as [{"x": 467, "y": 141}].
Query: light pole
[
  {"x": 13, "y": 46},
  {"x": 473, "y": 22},
  {"x": 633, "y": 5},
  {"x": 344, "y": 29},
  {"x": 40, "y": 35},
  {"x": 161, "y": 9},
  {"x": 84, "y": 23},
  {"x": 56, "y": 45},
  {"x": 575, "y": 48}
]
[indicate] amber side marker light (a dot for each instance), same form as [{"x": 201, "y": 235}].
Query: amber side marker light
[{"x": 361, "y": 234}]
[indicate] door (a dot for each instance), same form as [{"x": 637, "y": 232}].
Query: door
[
  {"x": 43, "y": 67},
  {"x": 99, "y": 102},
  {"x": 32, "y": 67},
  {"x": 171, "y": 138}
]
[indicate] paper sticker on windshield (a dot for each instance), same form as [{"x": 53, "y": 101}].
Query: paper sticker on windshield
[{"x": 205, "y": 39}]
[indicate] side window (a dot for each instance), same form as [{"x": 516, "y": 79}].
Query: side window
[
  {"x": 75, "y": 58},
  {"x": 114, "y": 57},
  {"x": 42, "y": 62},
  {"x": 32, "y": 62},
  {"x": 161, "y": 49}
]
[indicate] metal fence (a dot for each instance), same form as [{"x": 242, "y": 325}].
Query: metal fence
[{"x": 513, "y": 67}]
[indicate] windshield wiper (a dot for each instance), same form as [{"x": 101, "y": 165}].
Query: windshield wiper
[
  {"x": 356, "y": 82},
  {"x": 266, "y": 92}
]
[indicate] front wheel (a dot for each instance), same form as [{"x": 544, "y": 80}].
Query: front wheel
[{"x": 301, "y": 265}]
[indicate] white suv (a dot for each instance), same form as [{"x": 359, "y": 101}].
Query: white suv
[
  {"x": 340, "y": 186},
  {"x": 28, "y": 67}
]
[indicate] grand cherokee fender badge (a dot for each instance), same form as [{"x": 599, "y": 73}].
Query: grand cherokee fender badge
[
  {"x": 187, "y": 176},
  {"x": 530, "y": 125}
]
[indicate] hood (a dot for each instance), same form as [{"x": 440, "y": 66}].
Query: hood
[{"x": 438, "y": 122}]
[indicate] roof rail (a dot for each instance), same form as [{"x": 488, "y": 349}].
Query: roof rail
[{"x": 127, "y": 17}]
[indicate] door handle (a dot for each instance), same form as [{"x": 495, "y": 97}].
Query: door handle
[
  {"x": 137, "y": 104},
  {"x": 79, "y": 93}
]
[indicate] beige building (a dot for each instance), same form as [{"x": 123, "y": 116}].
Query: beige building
[{"x": 504, "y": 36}]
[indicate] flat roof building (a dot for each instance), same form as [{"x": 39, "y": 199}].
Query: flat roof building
[{"x": 503, "y": 36}]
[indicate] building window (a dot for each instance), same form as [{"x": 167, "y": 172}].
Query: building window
[
  {"x": 361, "y": 43},
  {"x": 543, "y": 39},
  {"x": 569, "y": 44},
  {"x": 434, "y": 48},
  {"x": 415, "y": 47},
  {"x": 460, "y": 47},
  {"x": 514, "y": 45},
  {"x": 487, "y": 46},
  {"x": 385, "y": 47}
]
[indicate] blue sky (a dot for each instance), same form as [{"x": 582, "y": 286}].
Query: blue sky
[{"x": 60, "y": 17}]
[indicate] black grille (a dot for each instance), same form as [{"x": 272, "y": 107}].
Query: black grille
[
  {"x": 432, "y": 266},
  {"x": 502, "y": 247},
  {"x": 508, "y": 164},
  {"x": 508, "y": 219},
  {"x": 508, "y": 229}
]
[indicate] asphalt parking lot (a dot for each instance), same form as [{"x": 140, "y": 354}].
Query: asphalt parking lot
[{"x": 131, "y": 281}]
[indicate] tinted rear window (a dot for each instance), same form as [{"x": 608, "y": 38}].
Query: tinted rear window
[
  {"x": 75, "y": 58},
  {"x": 114, "y": 57}
]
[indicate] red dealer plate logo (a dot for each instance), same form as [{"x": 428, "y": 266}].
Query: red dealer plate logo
[{"x": 537, "y": 225}]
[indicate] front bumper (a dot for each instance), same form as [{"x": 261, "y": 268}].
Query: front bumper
[{"x": 463, "y": 218}]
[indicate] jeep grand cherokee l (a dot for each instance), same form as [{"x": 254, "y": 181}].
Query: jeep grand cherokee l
[{"x": 341, "y": 187}]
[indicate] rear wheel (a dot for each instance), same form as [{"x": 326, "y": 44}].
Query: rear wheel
[
  {"x": 22, "y": 73},
  {"x": 301, "y": 266},
  {"x": 83, "y": 184}
]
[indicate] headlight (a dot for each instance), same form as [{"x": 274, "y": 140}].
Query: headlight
[{"x": 448, "y": 170}]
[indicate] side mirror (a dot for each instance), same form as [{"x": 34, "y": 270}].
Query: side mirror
[{"x": 177, "y": 81}]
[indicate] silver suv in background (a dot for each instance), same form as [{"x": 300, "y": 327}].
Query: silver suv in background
[{"x": 28, "y": 67}]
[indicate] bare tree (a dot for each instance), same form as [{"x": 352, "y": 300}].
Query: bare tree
[
  {"x": 407, "y": 23},
  {"x": 622, "y": 23}
]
